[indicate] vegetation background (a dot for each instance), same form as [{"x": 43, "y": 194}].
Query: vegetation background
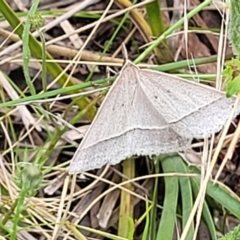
[{"x": 55, "y": 61}]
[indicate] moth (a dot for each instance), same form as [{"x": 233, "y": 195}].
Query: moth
[{"x": 147, "y": 112}]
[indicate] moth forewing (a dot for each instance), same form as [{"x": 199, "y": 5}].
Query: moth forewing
[{"x": 149, "y": 113}]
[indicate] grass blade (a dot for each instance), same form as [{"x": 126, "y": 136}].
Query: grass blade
[{"x": 168, "y": 217}]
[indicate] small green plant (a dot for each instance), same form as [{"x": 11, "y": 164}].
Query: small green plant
[
  {"x": 29, "y": 180},
  {"x": 26, "y": 49},
  {"x": 231, "y": 74},
  {"x": 233, "y": 235}
]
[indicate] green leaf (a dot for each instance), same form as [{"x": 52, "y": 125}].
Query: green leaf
[
  {"x": 233, "y": 87},
  {"x": 206, "y": 213},
  {"x": 228, "y": 72}
]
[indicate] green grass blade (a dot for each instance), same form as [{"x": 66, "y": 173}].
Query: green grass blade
[
  {"x": 168, "y": 217},
  {"x": 147, "y": 224},
  {"x": 206, "y": 214},
  {"x": 155, "y": 18},
  {"x": 186, "y": 195},
  {"x": 153, "y": 216},
  {"x": 157, "y": 26},
  {"x": 223, "y": 195}
]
